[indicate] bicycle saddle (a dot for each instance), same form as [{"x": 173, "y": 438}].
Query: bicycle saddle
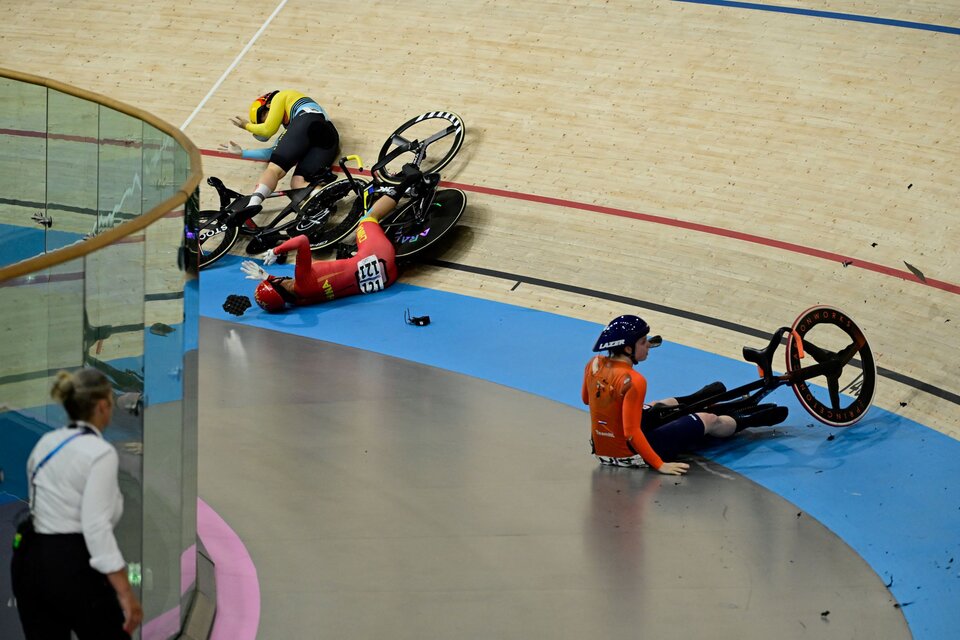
[
  {"x": 225, "y": 194},
  {"x": 763, "y": 358}
]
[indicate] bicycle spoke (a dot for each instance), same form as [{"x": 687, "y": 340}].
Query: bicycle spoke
[
  {"x": 331, "y": 214},
  {"x": 818, "y": 354},
  {"x": 216, "y": 234},
  {"x": 439, "y": 134},
  {"x": 833, "y": 386},
  {"x": 847, "y": 354}
]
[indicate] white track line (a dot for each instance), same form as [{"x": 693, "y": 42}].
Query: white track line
[{"x": 235, "y": 62}]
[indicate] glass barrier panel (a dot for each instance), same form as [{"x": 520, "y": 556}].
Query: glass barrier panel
[
  {"x": 72, "y": 151},
  {"x": 23, "y": 154},
  {"x": 70, "y": 169},
  {"x": 121, "y": 169}
]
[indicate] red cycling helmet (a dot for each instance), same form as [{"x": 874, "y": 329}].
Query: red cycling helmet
[{"x": 268, "y": 295}]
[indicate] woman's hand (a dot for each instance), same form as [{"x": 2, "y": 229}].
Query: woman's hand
[
  {"x": 231, "y": 147},
  {"x": 674, "y": 468},
  {"x": 238, "y": 122},
  {"x": 132, "y": 612}
]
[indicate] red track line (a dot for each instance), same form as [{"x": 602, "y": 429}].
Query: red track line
[
  {"x": 692, "y": 226},
  {"x": 74, "y": 138},
  {"x": 646, "y": 217}
]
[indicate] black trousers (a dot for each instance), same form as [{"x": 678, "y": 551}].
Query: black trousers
[{"x": 58, "y": 591}]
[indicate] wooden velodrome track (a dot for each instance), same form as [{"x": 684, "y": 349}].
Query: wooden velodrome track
[
  {"x": 796, "y": 143},
  {"x": 742, "y": 157}
]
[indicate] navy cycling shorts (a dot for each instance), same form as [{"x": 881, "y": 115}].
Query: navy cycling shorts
[{"x": 684, "y": 434}]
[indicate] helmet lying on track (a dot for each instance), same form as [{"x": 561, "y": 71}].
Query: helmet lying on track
[{"x": 260, "y": 107}]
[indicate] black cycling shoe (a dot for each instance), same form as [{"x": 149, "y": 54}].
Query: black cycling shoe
[
  {"x": 243, "y": 206},
  {"x": 239, "y": 204},
  {"x": 710, "y": 390},
  {"x": 727, "y": 408},
  {"x": 763, "y": 415}
]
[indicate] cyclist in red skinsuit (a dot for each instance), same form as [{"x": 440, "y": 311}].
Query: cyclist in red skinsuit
[{"x": 372, "y": 269}]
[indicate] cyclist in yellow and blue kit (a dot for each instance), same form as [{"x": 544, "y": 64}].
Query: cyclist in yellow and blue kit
[{"x": 310, "y": 141}]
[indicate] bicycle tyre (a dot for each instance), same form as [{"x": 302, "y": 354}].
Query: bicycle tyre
[
  {"x": 331, "y": 214},
  {"x": 832, "y": 414},
  {"x": 447, "y": 208},
  {"x": 215, "y": 242},
  {"x": 423, "y": 126}
]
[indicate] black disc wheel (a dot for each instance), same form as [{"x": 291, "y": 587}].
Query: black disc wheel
[
  {"x": 330, "y": 214},
  {"x": 215, "y": 236},
  {"x": 412, "y": 236}
]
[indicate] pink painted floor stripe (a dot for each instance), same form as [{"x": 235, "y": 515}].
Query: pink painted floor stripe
[
  {"x": 163, "y": 626},
  {"x": 238, "y": 589}
]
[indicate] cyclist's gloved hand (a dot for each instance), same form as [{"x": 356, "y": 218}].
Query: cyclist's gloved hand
[
  {"x": 253, "y": 270},
  {"x": 411, "y": 177},
  {"x": 269, "y": 258}
]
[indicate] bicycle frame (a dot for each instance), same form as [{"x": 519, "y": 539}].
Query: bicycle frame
[
  {"x": 315, "y": 217},
  {"x": 751, "y": 393},
  {"x": 420, "y": 205},
  {"x": 244, "y": 217}
]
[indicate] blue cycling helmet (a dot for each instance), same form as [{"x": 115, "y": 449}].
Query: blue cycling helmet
[{"x": 623, "y": 331}]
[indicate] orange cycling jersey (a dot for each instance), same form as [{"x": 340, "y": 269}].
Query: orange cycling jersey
[
  {"x": 615, "y": 393},
  {"x": 372, "y": 269}
]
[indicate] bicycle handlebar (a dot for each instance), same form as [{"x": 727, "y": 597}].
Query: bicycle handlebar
[{"x": 343, "y": 167}]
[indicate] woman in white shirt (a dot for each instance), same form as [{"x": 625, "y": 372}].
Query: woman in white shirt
[{"x": 68, "y": 573}]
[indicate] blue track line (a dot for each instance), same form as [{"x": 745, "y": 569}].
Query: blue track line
[{"x": 832, "y": 15}]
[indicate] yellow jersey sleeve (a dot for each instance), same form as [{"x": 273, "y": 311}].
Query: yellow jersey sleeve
[{"x": 279, "y": 113}]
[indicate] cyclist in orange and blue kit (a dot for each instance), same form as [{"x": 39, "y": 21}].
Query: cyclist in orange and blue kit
[
  {"x": 623, "y": 430},
  {"x": 310, "y": 141}
]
